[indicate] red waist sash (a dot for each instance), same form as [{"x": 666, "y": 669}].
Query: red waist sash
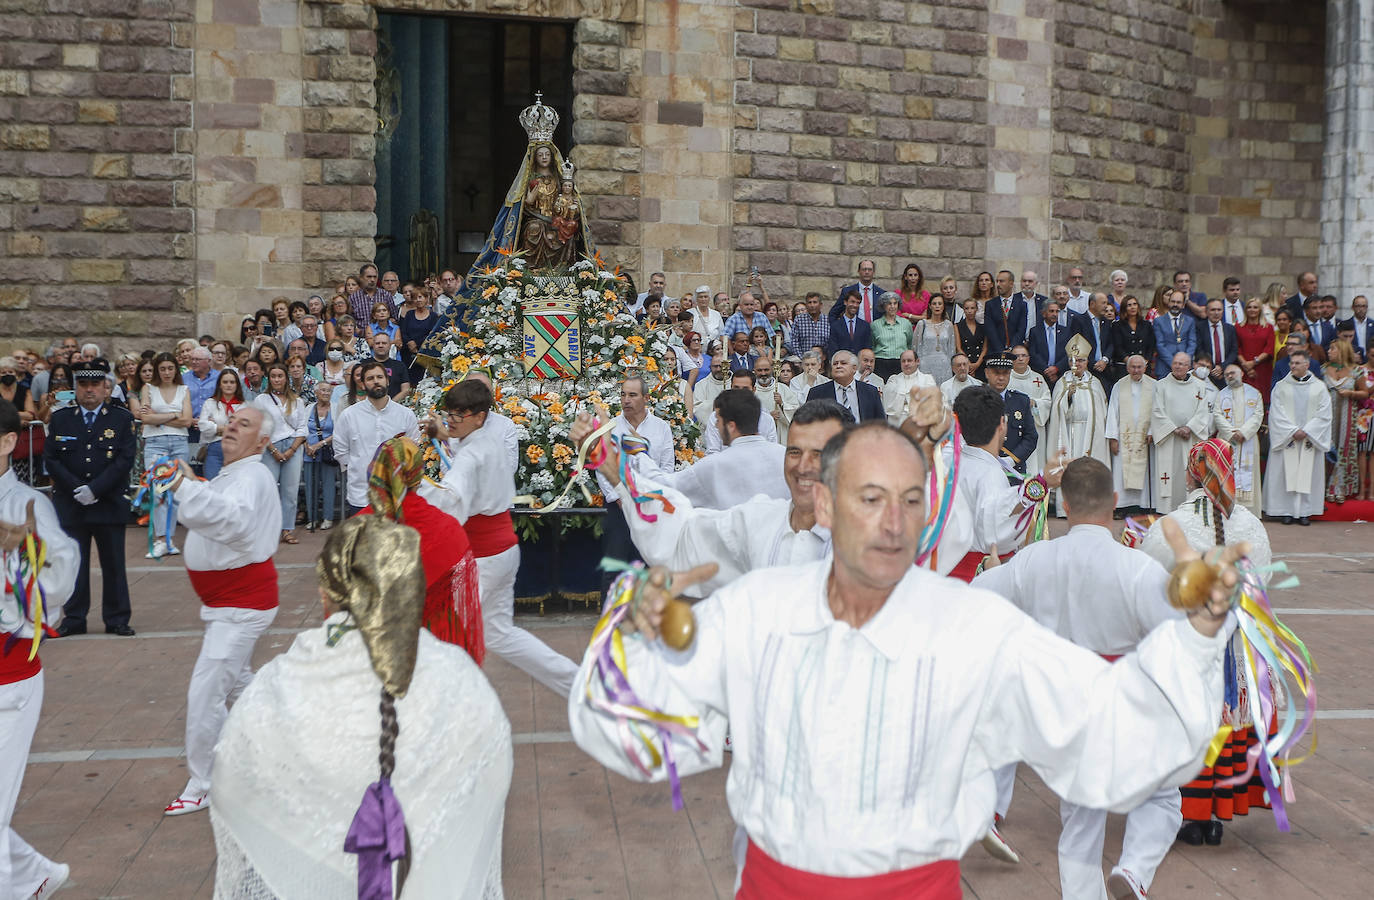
[
  {"x": 764, "y": 878},
  {"x": 490, "y": 535},
  {"x": 252, "y": 586},
  {"x": 14, "y": 659},
  {"x": 968, "y": 566},
  {"x": 1111, "y": 657}
]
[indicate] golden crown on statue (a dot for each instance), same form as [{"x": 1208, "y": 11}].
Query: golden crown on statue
[{"x": 540, "y": 121}]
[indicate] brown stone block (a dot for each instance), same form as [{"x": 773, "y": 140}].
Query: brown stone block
[
  {"x": 119, "y": 58},
  {"x": 348, "y": 171},
  {"x": 78, "y": 137},
  {"x": 25, "y": 245},
  {"x": 236, "y": 12},
  {"x": 142, "y": 297},
  {"x": 161, "y": 271},
  {"x": 45, "y": 110},
  {"x": 228, "y": 115},
  {"x": 25, "y": 137},
  {"x": 104, "y": 271},
  {"x": 608, "y": 83},
  {"x": 141, "y": 140},
  {"x": 29, "y": 55},
  {"x": 34, "y": 271},
  {"x": 14, "y": 297},
  {"x": 161, "y": 167},
  {"x": 97, "y": 111},
  {"x": 139, "y": 193},
  {"x": 350, "y": 68},
  {"x": 72, "y": 244},
  {"x": 54, "y": 165},
  {"x": 74, "y": 190},
  {"x": 150, "y": 33},
  {"x": 63, "y": 84},
  {"x": 13, "y": 82},
  {"x": 826, "y": 123},
  {"x": 120, "y": 84}
]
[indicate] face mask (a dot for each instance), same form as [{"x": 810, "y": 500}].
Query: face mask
[
  {"x": 1200, "y": 371},
  {"x": 7, "y": 380},
  {"x": 335, "y": 355}
]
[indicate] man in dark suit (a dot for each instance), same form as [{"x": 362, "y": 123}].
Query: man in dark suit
[
  {"x": 1021, "y": 437},
  {"x": 1098, "y": 331},
  {"x": 1307, "y": 287},
  {"x": 1005, "y": 316},
  {"x": 1047, "y": 342},
  {"x": 849, "y": 332},
  {"x": 866, "y": 290},
  {"x": 1320, "y": 334},
  {"x": 1219, "y": 339},
  {"x": 1362, "y": 326},
  {"x": 741, "y": 360},
  {"x": 1035, "y": 301},
  {"x": 1195, "y": 302},
  {"x": 89, "y": 452},
  {"x": 862, "y": 399}
]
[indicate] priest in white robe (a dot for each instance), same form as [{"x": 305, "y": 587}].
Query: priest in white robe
[
  {"x": 1128, "y": 437},
  {"x": 778, "y": 400},
  {"x": 1033, "y": 385},
  {"x": 870, "y": 702},
  {"x": 961, "y": 381},
  {"x": 898, "y": 390},
  {"x": 1237, "y": 418},
  {"x": 1180, "y": 419},
  {"x": 1078, "y": 411},
  {"x": 1299, "y": 436},
  {"x": 705, "y": 391}
]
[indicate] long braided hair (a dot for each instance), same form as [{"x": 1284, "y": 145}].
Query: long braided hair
[{"x": 386, "y": 760}]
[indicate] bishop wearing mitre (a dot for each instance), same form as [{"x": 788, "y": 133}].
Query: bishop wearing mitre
[
  {"x": 1181, "y": 417},
  {"x": 1128, "y": 437},
  {"x": 1078, "y": 411}
]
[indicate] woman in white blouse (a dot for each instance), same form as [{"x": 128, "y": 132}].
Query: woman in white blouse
[
  {"x": 287, "y": 413},
  {"x": 812, "y": 363},
  {"x": 214, "y": 418},
  {"x": 164, "y": 408}
]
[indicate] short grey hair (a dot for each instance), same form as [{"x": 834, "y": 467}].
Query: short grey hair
[
  {"x": 93, "y": 349},
  {"x": 312, "y": 318},
  {"x": 8, "y": 362},
  {"x": 888, "y": 297},
  {"x": 200, "y": 353},
  {"x": 264, "y": 422},
  {"x": 812, "y": 354},
  {"x": 1118, "y": 272},
  {"x": 853, "y": 358}
]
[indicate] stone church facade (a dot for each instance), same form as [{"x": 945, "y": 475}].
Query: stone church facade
[{"x": 167, "y": 166}]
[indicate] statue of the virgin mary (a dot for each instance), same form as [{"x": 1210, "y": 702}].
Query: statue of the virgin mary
[{"x": 541, "y": 220}]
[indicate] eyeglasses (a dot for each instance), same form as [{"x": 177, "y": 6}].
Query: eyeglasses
[{"x": 458, "y": 416}]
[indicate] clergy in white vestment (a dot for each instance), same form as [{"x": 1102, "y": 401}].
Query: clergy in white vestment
[
  {"x": 898, "y": 390},
  {"x": 705, "y": 390},
  {"x": 711, "y": 438},
  {"x": 228, "y": 557},
  {"x": 26, "y": 514},
  {"x": 961, "y": 381},
  {"x": 778, "y": 400},
  {"x": 1180, "y": 419},
  {"x": 1078, "y": 410},
  {"x": 869, "y": 702},
  {"x": 1128, "y": 437},
  {"x": 1090, "y": 589},
  {"x": 757, "y": 532},
  {"x": 478, "y": 490},
  {"x": 305, "y": 744},
  {"x": 749, "y": 464},
  {"x": 1033, "y": 385},
  {"x": 1299, "y": 436},
  {"x": 1237, "y": 418},
  {"x": 1202, "y": 369}
]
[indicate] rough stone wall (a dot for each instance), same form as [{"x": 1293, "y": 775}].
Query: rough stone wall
[
  {"x": 861, "y": 130},
  {"x": 1255, "y": 188},
  {"x": 1121, "y": 121},
  {"x": 95, "y": 170}
]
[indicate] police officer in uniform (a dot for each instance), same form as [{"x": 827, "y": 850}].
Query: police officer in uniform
[
  {"x": 1021, "y": 434},
  {"x": 89, "y": 452}
]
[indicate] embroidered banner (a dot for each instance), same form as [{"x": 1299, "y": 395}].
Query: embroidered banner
[{"x": 553, "y": 338}]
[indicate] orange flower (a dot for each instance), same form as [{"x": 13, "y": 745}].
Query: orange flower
[
  {"x": 650, "y": 364},
  {"x": 556, "y": 409},
  {"x": 562, "y": 453},
  {"x": 534, "y": 453},
  {"x": 489, "y": 292},
  {"x": 504, "y": 251}
]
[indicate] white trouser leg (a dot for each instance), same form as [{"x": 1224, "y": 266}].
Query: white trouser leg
[
  {"x": 496, "y": 582},
  {"x": 225, "y": 657},
  {"x": 1080, "y": 852},
  {"x": 1006, "y": 783},
  {"x": 22, "y": 868},
  {"x": 1150, "y": 832}
]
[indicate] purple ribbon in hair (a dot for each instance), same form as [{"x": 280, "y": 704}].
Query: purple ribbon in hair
[{"x": 378, "y": 836}]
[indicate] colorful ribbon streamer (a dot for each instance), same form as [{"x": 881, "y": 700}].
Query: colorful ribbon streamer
[
  {"x": 156, "y": 481},
  {"x": 1268, "y": 650},
  {"x": 635, "y": 721},
  {"x": 21, "y": 580},
  {"x": 944, "y": 480},
  {"x": 630, "y": 445}
]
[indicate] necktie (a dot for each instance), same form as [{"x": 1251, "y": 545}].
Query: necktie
[
  {"x": 1235, "y": 314},
  {"x": 1177, "y": 336},
  {"x": 868, "y": 304},
  {"x": 851, "y": 328},
  {"x": 1216, "y": 343},
  {"x": 1097, "y": 339},
  {"x": 90, "y": 417},
  {"x": 1049, "y": 341}
]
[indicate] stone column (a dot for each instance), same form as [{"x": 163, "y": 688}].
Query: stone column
[
  {"x": 1020, "y": 69},
  {"x": 1345, "y": 266}
]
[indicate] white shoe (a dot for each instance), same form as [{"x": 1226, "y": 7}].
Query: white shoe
[
  {"x": 1122, "y": 885},
  {"x": 159, "y": 550},
  {"x": 59, "y": 876},
  {"x": 997, "y": 846},
  {"x": 187, "y": 804},
  {"x": 172, "y": 550},
  {"x": 729, "y": 747}
]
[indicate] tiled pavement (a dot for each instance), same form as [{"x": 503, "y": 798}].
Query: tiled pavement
[{"x": 106, "y": 761}]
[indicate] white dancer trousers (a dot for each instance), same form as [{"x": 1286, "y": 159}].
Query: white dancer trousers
[
  {"x": 1150, "y": 832},
  {"x": 496, "y": 583},
  {"x": 22, "y": 868},
  {"x": 223, "y": 670},
  {"x": 1006, "y": 784}
]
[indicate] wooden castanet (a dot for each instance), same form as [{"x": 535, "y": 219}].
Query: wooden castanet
[
  {"x": 1191, "y": 583},
  {"x": 678, "y": 627}
]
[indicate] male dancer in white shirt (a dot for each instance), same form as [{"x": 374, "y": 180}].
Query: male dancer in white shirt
[
  {"x": 942, "y": 683},
  {"x": 24, "y": 872},
  {"x": 228, "y": 555},
  {"x": 478, "y": 490},
  {"x": 1090, "y": 589}
]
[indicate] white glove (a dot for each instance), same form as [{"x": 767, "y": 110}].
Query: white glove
[{"x": 84, "y": 496}]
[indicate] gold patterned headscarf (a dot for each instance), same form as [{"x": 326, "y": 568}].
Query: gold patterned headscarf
[
  {"x": 397, "y": 468},
  {"x": 371, "y": 567}
]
